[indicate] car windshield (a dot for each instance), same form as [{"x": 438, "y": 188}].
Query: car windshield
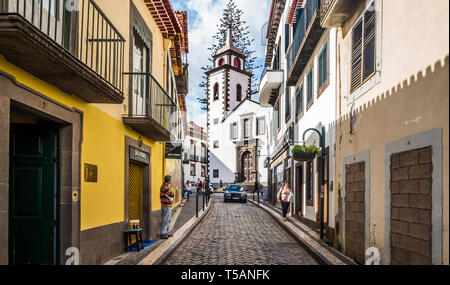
[{"x": 234, "y": 188}]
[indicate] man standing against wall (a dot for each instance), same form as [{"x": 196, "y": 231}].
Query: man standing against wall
[
  {"x": 207, "y": 188},
  {"x": 166, "y": 196}
]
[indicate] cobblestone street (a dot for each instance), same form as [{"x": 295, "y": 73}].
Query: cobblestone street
[{"x": 239, "y": 234}]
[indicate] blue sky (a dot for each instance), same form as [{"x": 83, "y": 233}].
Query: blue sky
[{"x": 204, "y": 16}]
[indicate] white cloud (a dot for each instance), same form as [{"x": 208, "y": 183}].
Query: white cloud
[{"x": 202, "y": 28}]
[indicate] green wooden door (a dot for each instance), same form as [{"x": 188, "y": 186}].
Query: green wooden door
[{"x": 33, "y": 180}]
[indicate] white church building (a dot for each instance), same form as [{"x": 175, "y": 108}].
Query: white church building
[{"x": 237, "y": 125}]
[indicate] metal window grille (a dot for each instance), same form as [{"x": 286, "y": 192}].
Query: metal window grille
[{"x": 135, "y": 187}]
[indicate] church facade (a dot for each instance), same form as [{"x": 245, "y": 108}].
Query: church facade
[{"x": 237, "y": 129}]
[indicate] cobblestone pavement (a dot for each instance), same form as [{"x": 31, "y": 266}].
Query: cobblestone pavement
[{"x": 239, "y": 234}]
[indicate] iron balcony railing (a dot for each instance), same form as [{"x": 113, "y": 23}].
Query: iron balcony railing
[
  {"x": 150, "y": 100},
  {"x": 196, "y": 158},
  {"x": 324, "y": 5},
  {"x": 81, "y": 28},
  {"x": 301, "y": 29}
]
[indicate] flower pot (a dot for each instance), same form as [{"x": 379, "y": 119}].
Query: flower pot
[{"x": 304, "y": 156}]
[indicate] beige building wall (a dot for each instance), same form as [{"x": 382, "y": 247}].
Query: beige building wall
[{"x": 408, "y": 96}]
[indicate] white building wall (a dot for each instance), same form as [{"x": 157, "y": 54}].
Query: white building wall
[
  {"x": 235, "y": 79},
  {"x": 198, "y": 152},
  {"x": 321, "y": 113},
  {"x": 227, "y": 151}
]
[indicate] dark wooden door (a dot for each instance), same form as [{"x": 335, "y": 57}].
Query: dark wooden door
[
  {"x": 33, "y": 180},
  {"x": 247, "y": 167}
]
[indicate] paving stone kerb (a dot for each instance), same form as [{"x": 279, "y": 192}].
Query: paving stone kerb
[{"x": 239, "y": 234}]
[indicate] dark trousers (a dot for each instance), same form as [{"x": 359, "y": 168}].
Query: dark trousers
[{"x": 285, "y": 206}]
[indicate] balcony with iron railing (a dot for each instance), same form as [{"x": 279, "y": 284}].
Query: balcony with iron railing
[
  {"x": 194, "y": 158},
  {"x": 334, "y": 13},
  {"x": 151, "y": 111},
  {"x": 306, "y": 36},
  {"x": 76, "y": 49}
]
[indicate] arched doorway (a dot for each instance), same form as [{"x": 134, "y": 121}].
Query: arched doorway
[{"x": 246, "y": 167}]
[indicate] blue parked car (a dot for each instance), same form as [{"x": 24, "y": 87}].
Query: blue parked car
[{"x": 235, "y": 193}]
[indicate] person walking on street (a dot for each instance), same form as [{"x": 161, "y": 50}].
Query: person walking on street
[
  {"x": 285, "y": 196},
  {"x": 187, "y": 189},
  {"x": 207, "y": 187},
  {"x": 199, "y": 187},
  {"x": 166, "y": 196}
]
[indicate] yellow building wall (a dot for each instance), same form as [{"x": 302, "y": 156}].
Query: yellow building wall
[
  {"x": 104, "y": 133},
  {"x": 118, "y": 12},
  {"x": 102, "y": 203}
]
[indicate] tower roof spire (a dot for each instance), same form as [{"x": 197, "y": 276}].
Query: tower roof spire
[
  {"x": 229, "y": 42},
  {"x": 229, "y": 36}
]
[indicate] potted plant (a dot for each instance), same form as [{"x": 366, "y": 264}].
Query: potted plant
[{"x": 305, "y": 153}]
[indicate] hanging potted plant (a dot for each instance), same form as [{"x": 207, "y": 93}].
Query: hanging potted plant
[{"x": 305, "y": 153}]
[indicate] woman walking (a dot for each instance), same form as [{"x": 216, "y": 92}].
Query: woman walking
[
  {"x": 284, "y": 196},
  {"x": 187, "y": 190}
]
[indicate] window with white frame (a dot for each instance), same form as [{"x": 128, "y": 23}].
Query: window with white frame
[
  {"x": 192, "y": 169},
  {"x": 246, "y": 128},
  {"x": 203, "y": 171},
  {"x": 261, "y": 126},
  {"x": 234, "y": 131},
  {"x": 192, "y": 149}
]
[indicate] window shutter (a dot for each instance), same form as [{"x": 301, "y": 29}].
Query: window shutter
[
  {"x": 301, "y": 99},
  {"x": 310, "y": 86},
  {"x": 275, "y": 118},
  {"x": 357, "y": 41},
  {"x": 287, "y": 102},
  {"x": 286, "y": 37},
  {"x": 369, "y": 42},
  {"x": 299, "y": 13},
  {"x": 323, "y": 66}
]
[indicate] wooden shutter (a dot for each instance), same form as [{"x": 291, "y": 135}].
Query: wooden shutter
[
  {"x": 310, "y": 86},
  {"x": 323, "y": 61},
  {"x": 287, "y": 102},
  {"x": 357, "y": 41},
  {"x": 300, "y": 100},
  {"x": 369, "y": 43},
  {"x": 363, "y": 48}
]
